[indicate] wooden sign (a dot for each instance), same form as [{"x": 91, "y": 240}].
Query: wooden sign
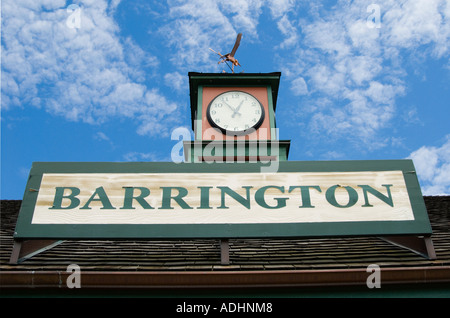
[{"x": 201, "y": 200}]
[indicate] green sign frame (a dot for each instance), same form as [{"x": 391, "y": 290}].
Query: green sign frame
[{"x": 25, "y": 229}]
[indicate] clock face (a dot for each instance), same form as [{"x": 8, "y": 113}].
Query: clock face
[{"x": 235, "y": 112}]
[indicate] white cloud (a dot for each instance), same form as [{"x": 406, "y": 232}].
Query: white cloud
[
  {"x": 364, "y": 39},
  {"x": 289, "y": 30},
  {"x": 299, "y": 87},
  {"x": 325, "y": 79},
  {"x": 362, "y": 69},
  {"x": 89, "y": 74},
  {"x": 142, "y": 156},
  {"x": 415, "y": 22},
  {"x": 278, "y": 8},
  {"x": 244, "y": 14},
  {"x": 83, "y": 72},
  {"x": 158, "y": 107},
  {"x": 327, "y": 36},
  {"x": 176, "y": 81},
  {"x": 101, "y": 136},
  {"x": 194, "y": 26},
  {"x": 433, "y": 168},
  {"x": 359, "y": 68}
]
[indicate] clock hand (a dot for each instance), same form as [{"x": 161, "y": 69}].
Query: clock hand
[
  {"x": 236, "y": 111},
  {"x": 229, "y": 106}
]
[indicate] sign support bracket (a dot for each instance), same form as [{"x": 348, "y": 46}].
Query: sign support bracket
[
  {"x": 224, "y": 252},
  {"x": 422, "y": 245},
  {"x": 25, "y": 249}
]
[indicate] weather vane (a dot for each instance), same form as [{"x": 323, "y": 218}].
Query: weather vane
[{"x": 230, "y": 56}]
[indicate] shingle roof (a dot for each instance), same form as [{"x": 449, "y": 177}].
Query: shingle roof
[{"x": 246, "y": 255}]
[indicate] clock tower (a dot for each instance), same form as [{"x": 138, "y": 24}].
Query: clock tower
[{"x": 233, "y": 118}]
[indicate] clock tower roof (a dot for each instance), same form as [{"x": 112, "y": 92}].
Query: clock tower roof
[{"x": 231, "y": 79}]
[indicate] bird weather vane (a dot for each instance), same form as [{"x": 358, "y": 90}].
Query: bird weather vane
[{"x": 229, "y": 57}]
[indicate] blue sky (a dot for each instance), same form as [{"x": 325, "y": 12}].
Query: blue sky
[{"x": 107, "y": 80}]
